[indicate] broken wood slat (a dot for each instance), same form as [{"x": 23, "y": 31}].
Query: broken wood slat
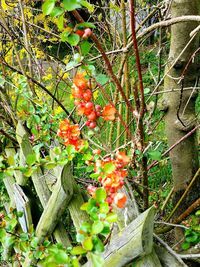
[
  {"x": 9, "y": 181},
  {"x": 57, "y": 204},
  {"x": 135, "y": 240},
  {"x": 78, "y": 216},
  {"x": 37, "y": 176},
  {"x": 23, "y": 204}
]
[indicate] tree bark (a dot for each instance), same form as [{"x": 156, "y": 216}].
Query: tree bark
[{"x": 182, "y": 71}]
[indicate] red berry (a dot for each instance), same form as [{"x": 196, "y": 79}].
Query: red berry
[
  {"x": 98, "y": 114},
  {"x": 92, "y": 124},
  {"x": 89, "y": 105},
  {"x": 98, "y": 108},
  {"x": 109, "y": 200},
  {"x": 87, "y": 95},
  {"x": 92, "y": 116},
  {"x": 87, "y": 123},
  {"x": 80, "y": 32},
  {"x": 87, "y": 33}
]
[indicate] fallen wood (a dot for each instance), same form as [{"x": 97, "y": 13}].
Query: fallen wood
[{"x": 57, "y": 204}]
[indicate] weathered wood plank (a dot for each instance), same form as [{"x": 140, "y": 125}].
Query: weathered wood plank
[
  {"x": 57, "y": 204},
  {"x": 23, "y": 204},
  {"x": 37, "y": 176},
  {"x": 167, "y": 259},
  {"x": 150, "y": 260}
]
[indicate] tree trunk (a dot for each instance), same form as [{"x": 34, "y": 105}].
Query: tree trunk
[{"x": 182, "y": 72}]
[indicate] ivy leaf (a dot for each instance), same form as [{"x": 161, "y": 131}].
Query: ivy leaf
[
  {"x": 48, "y": 6},
  {"x": 73, "y": 39},
  {"x": 70, "y": 5},
  {"x": 85, "y": 227},
  {"x": 97, "y": 227},
  {"x": 100, "y": 194}
]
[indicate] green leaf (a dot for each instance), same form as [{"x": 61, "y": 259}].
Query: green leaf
[
  {"x": 97, "y": 227},
  {"x": 100, "y": 194},
  {"x": 192, "y": 238},
  {"x": 24, "y": 236},
  {"x": 197, "y": 213},
  {"x": 28, "y": 172},
  {"x": 85, "y": 227},
  {"x": 87, "y": 244},
  {"x": 146, "y": 91},
  {"x": 60, "y": 22},
  {"x": 89, "y": 6},
  {"x": 109, "y": 167},
  {"x": 73, "y": 39},
  {"x": 102, "y": 79},
  {"x": 85, "y": 47},
  {"x": 31, "y": 159},
  {"x": 75, "y": 262},
  {"x": 155, "y": 155},
  {"x": 84, "y": 206},
  {"x": 61, "y": 257},
  {"x": 111, "y": 217},
  {"x": 34, "y": 242},
  {"x": 64, "y": 35},
  {"x": 104, "y": 208},
  {"x": 106, "y": 229},
  {"x": 2, "y": 233},
  {"x": 94, "y": 175},
  {"x": 185, "y": 245},
  {"x": 37, "y": 254},
  {"x": 87, "y": 156},
  {"x": 98, "y": 244},
  {"x": 78, "y": 250},
  {"x": 97, "y": 260},
  {"x": 48, "y": 6},
  {"x": 70, "y": 5},
  {"x": 57, "y": 11},
  {"x": 50, "y": 165},
  {"x": 85, "y": 25},
  {"x": 80, "y": 238}
]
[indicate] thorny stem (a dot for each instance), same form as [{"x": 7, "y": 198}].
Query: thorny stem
[{"x": 109, "y": 69}]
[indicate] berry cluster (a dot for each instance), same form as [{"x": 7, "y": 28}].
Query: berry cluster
[
  {"x": 83, "y": 94},
  {"x": 70, "y": 134},
  {"x": 113, "y": 179}
]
